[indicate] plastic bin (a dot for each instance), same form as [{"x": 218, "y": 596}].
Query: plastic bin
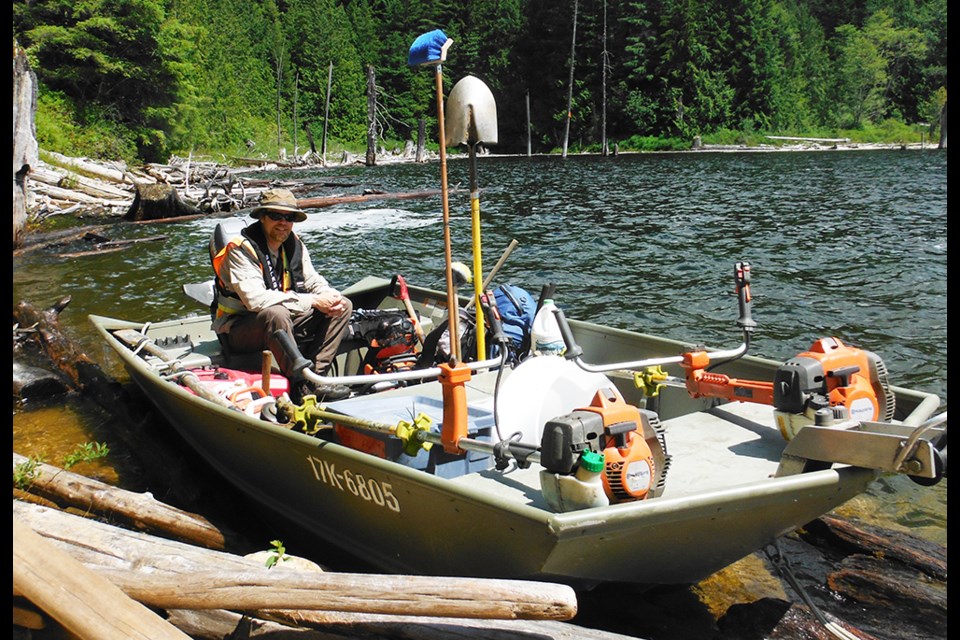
[{"x": 391, "y": 410}]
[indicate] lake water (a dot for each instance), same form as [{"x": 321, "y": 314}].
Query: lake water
[{"x": 850, "y": 244}]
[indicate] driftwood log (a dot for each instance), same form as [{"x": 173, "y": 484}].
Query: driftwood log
[
  {"x": 139, "y": 511},
  {"x": 218, "y": 624},
  {"x": 85, "y": 603},
  {"x": 71, "y": 181},
  {"x": 99, "y": 171},
  {"x": 166, "y": 573}
]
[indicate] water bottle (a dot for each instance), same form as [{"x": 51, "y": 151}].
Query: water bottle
[{"x": 545, "y": 334}]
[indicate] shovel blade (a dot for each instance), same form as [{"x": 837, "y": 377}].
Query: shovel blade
[{"x": 471, "y": 113}]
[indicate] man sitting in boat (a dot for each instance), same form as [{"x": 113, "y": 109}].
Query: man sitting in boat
[{"x": 265, "y": 282}]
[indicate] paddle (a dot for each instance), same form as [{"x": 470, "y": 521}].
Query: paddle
[
  {"x": 473, "y": 119},
  {"x": 431, "y": 49}
]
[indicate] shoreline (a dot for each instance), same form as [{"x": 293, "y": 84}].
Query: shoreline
[
  {"x": 402, "y": 157},
  {"x": 61, "y": 185}
]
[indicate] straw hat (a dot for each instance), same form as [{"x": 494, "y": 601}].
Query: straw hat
[{"x": 280, "y": 200}]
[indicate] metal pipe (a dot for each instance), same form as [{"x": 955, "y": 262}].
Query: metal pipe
[
  {"x": 411, "y": 374},
  {"x": 501, "y": 450}
]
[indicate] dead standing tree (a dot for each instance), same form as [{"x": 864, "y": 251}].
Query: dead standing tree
[
  {"x": 371, "y": 117},
  {"x": 573, "y": 59},
  {"x": 25, "y": 147}
]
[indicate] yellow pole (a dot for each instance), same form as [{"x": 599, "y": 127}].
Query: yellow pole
[{"x": 477, "y": 260}]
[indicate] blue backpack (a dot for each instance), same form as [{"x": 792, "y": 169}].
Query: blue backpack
[{"x": 517, "y": 310}]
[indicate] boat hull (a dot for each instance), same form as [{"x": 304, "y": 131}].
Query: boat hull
[{"x": 402, "y": 519}]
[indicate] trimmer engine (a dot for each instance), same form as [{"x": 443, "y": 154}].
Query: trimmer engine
[
  {"x": 831, "y": 381},
  {"x": 630, "y": 439}
]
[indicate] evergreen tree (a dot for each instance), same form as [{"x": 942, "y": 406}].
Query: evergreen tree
[
  {"x": 111, "y": 57},
  {"x": 320, "y": 33},
  {"x": 148, "y": 77}
]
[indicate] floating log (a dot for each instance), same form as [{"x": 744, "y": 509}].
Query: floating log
[
  {"x": 75, "y": 364},
  {"x": 31, "y": 382},
  {"x": 797, "y": 139},
  {"x": 170, "y": 574},
  {"x": 85, "y": 603},
  {"x": 54, "y": 238},
  {"x": 139, "y": 510},
  {"x": 111, "y": 246},
  {"x": 158, "y": 201}
]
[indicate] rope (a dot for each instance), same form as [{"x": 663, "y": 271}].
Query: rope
[
  {"x": 782, "y": 565},
  {"x": 140, "y": 345},
  {"x": 143, "y": 342}
]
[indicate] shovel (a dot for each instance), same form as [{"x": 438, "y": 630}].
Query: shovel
[{"x": 471, "y": 118}]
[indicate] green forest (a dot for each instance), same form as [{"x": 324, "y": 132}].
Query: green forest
[{"x": 142, "y": 80}]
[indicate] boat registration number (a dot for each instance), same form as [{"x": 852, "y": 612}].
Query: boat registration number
[{"x": 370, "y": 489}]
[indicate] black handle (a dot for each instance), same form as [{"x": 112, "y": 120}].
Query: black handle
[
  {"x": 741, "y": 275},
  {"x": 573, "y": 349},
  {"x": 546, "y": 291}
]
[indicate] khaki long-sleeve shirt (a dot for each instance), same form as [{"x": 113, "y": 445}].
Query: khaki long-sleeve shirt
[{"x": 241, "y": 274}]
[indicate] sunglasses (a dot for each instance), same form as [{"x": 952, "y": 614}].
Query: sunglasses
[{"x": 277, "y": 216}]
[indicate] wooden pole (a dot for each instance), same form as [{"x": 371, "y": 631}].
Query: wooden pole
[
  {"x": 453, "y": 307},
  {"x": 84, "y": 602}
]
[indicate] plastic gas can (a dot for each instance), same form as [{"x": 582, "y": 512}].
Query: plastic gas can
[{"x": 581, "y": 490}]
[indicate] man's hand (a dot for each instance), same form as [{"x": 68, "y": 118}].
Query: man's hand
[{"x": 331, "y": 302}]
